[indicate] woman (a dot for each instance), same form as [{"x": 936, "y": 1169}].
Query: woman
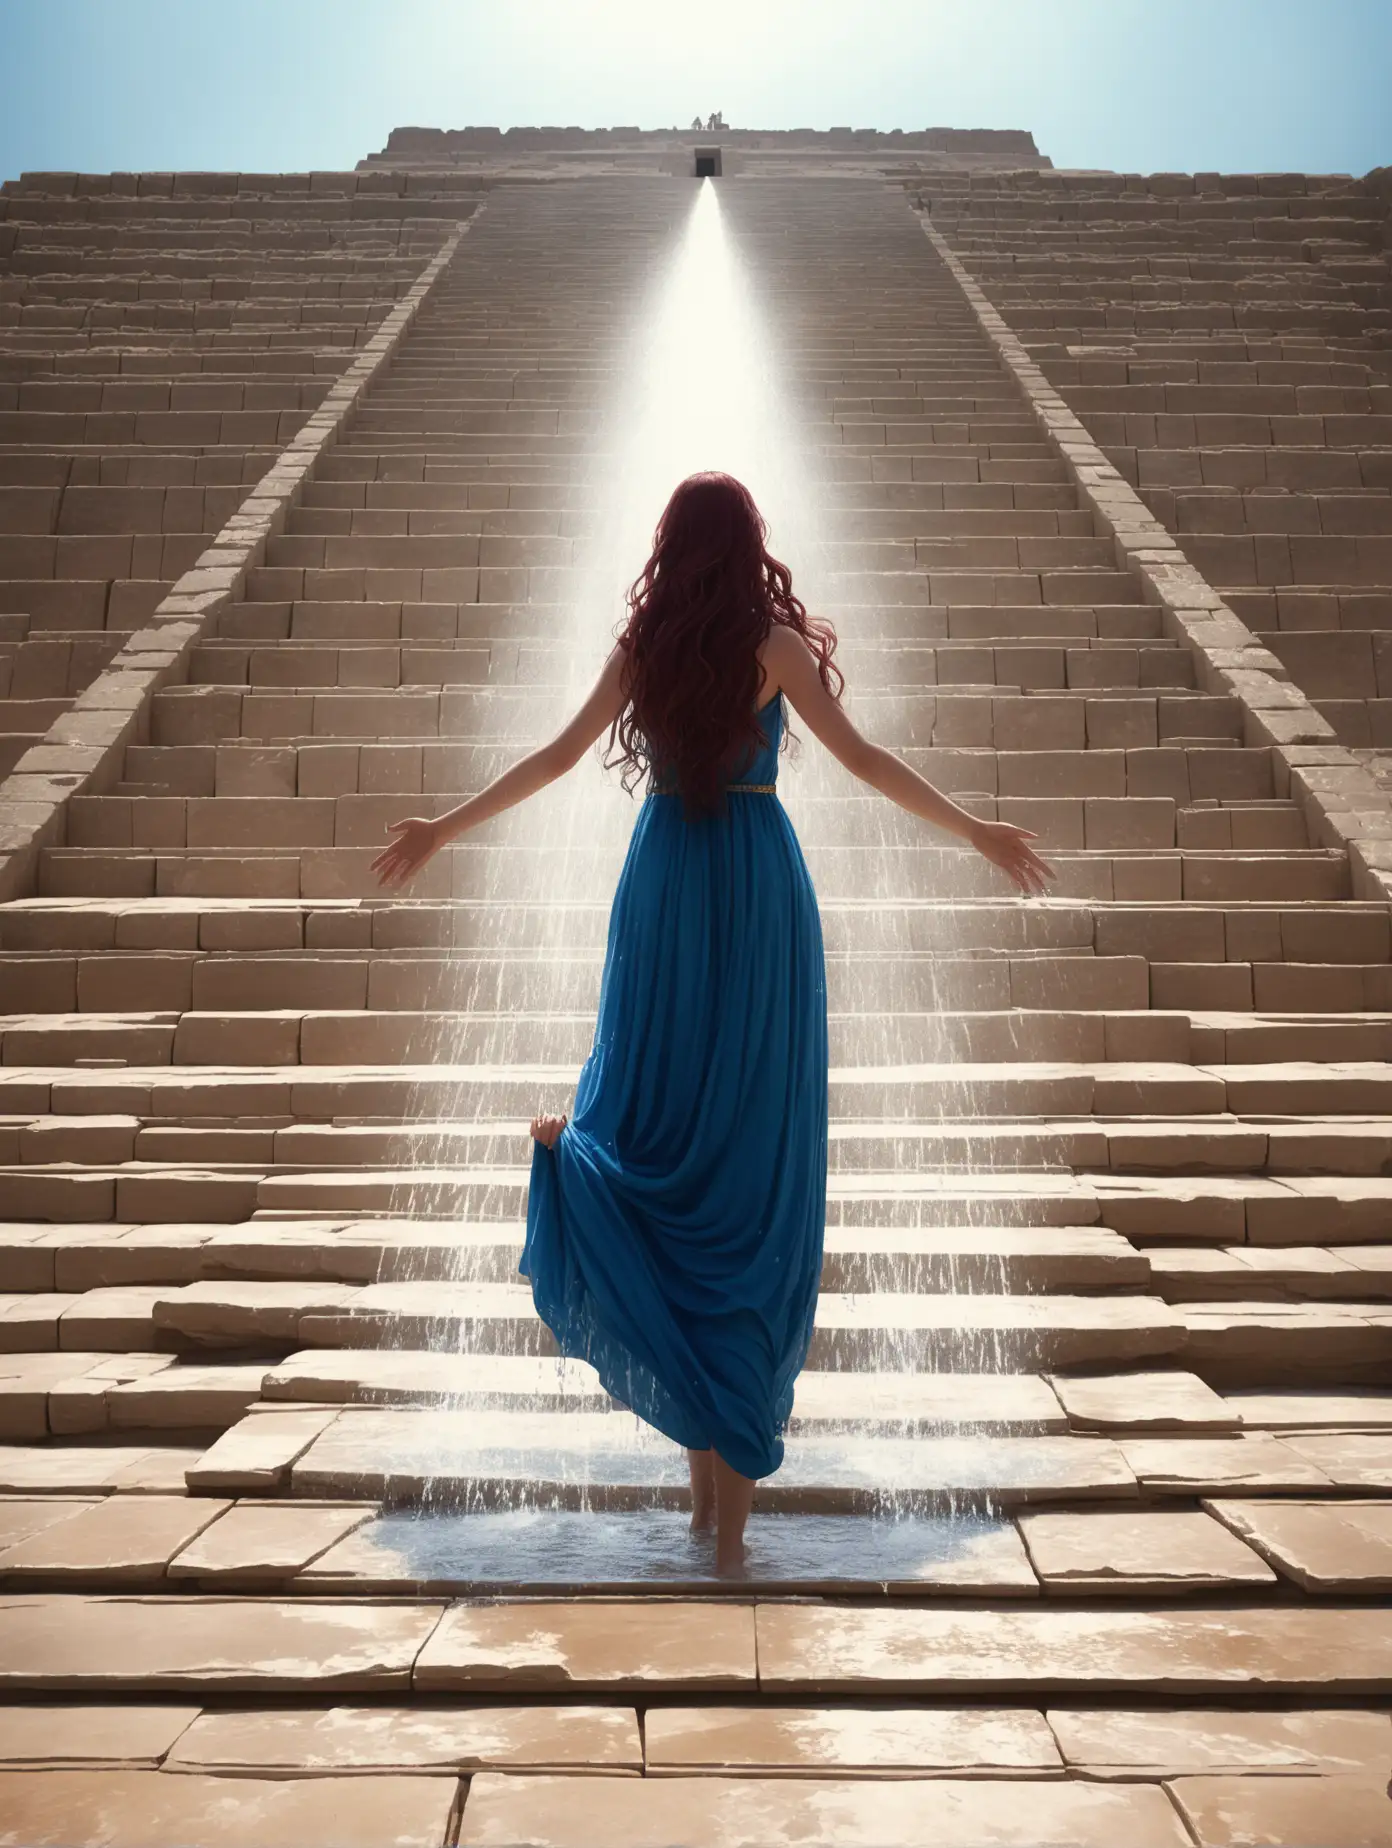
[{"x": 674, "y": 1227}]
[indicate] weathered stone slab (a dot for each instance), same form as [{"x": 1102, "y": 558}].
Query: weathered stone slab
[
  {"x": 57, "y": 1642},
  {"x": 1159, "y": 1742},
  {"x": 149, "y": 1809},
  {"x": 1256, "y": 1343},
  {"x": 1208, "y": 1465},
  {"x": 1349, "y": 1459},
  {"x": 1001, "y": 1403},
  {"x": 131, "y": 1733},
  {"x": 20, "y": 1518},
  {"x": 110, "y": 1320},
  {"x": 489, "y": 1381},
  {"x": 1329, "y": 1649},
  {"x": 69, "y": 1469},
  {"x": 1139, "y": 1402},
  {"x": 123, "y": 1539},
  {"x": 258, "y": 1452},
  {"x": 717, "y": 1812},
  {"x": 231, "y": 1314},
  {"x": 1287, "y": 1812},
  {"x": 30, "y": 1323},
  {"x": 1027, "y": 1331},
  {"x": 26, "y": 1380},
  {"x": 161, "y": 1471},
  {"x": 256, "y": 1541},
  {"x": 1324, "y": 1546},
  {"x": 185, "y": 1398},
  {"x": 427, "y": 1736},
  {"x": 510, "y": 1647},
  {"x": 1018, "y": 1259},
  {"x": 842, "y": 1741},
  {"x": 1138, "y": 1550}
]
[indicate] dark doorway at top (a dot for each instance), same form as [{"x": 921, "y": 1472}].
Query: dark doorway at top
[{"x": 708, "y": 163}]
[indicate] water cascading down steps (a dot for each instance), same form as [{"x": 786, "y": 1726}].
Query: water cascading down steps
[{"x": 1103, "y": 1348}]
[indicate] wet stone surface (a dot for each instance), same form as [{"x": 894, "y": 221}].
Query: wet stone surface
[{"x": 657, "y": 1551}]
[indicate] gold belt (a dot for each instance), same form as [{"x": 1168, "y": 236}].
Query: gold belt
[{"x": 731, "y": 789}]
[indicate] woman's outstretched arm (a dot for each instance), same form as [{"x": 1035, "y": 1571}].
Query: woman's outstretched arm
[
  {"x": 417, "y": 838},
  {"x": 790, "y": 663}
]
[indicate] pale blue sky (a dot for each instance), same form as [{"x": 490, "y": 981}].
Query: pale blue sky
[{"x": 290, "y": 84}]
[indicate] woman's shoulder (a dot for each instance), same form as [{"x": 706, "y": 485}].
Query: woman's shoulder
[{"x": 782, "y": 652}]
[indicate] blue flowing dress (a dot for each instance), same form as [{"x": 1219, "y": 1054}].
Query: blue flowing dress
[{"x": 674, "y": 1233}]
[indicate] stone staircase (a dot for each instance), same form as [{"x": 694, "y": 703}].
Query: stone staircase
[
  {"x": 1228, "y": 342},
  {"x": 1099, "y": 1407},
  {"x": 162, "y": 337}
]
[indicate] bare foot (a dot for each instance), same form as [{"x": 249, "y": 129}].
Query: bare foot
[
  {"x": 731, "y": 1561},
  {"x": 547, "y": 1129}
]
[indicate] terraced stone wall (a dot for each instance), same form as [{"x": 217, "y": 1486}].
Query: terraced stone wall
[
  {"x": 162, "y": 338},
  {"x": 1227, "y": 341}
]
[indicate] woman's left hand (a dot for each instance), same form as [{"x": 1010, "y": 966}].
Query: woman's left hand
[{"x": 417, "y": 840}]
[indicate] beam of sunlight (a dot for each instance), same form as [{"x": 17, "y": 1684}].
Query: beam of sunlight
[
  {"x": 705, "y": 392},
  {"x": 701, "y": 388}
]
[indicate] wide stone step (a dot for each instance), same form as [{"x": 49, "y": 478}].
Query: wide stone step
[
  {"x": 1024, "y": 975},
  {"x": 1125, "y": 824},
  {"x": 468, "y": 871},
  {"x": 193, "y": 754},
  {"x": 61, "y": 1394},
  {"x": 1191, "y": 933},
  {"x": 526, "y": 626},
  {"x": 877, "y": 1329},
  {"x": 1000, "y": 1404},
  {"x": 1158, "y": 1144},
  {"x": 300, "y": 664},
  {"x": 372, "y": 551},
  {"x": 1292, "y": 1274},
  {"x": 1302, "y": 933},
  {"x": 885, "y": 1199},
  {"x": 44, "y": 1102},
  {"x": 888, "y": 1043},
  {"x": 607, "y": 1460},
  {"x": 1148, "y": 1209},
  {"x": 41, "y": 1258},
  {"x": 1064, "y": 719},
  {"x": 890, "y": 1050},
  {"x": 823, "y": 1812},
  {"x": 58, "y": 1643},
  {"x": 264, "y": 979},
  {"x": 330, "y": 872}
]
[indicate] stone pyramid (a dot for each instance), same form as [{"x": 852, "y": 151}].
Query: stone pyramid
[{"x": 1085, "y": 1533}]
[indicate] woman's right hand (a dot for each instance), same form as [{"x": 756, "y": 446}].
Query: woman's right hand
[
  {"x": 417, "y": 840},
  {"x": 1008, "y": 847}
]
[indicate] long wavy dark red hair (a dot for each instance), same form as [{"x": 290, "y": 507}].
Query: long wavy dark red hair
[{"x": 697, "y": 616}]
